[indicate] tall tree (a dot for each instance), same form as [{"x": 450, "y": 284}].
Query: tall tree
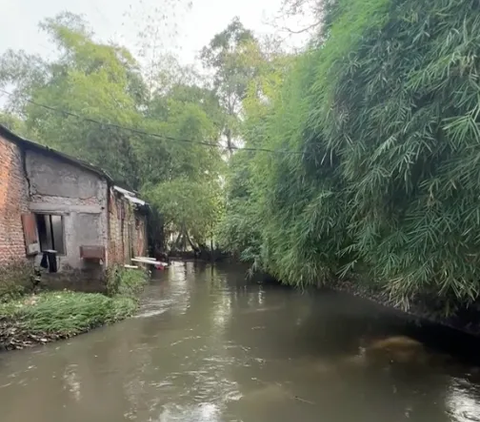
[
  {"x": 95, "y": 81},
  {"x": 232, "y": 55},
  {"x": 92, "y": 102},
  {"x": 379, "y": 125},
  {"x": 240, "y": 229}
]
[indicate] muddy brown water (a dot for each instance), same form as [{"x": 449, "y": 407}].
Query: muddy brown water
[{"x": 209, "y": 346}]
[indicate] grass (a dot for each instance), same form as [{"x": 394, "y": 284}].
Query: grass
[{"x": 53, "y": 315}]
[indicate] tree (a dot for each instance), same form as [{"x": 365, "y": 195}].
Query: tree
[
  {"x": 93, "y": 102},
  {"x": 181, "y": 174},
  {"x": 378, "y": 181},
  {"x": 95, "y": 81},
  {"x": 12, "y": 122},
  {"x": 240, "y": 229},
  {"x": 191, "y": 209},
  {"x": 232, "y": 56}
]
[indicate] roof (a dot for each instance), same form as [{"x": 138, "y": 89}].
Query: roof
[
  {"x": 130, "y": 196},
  {"x": 25, "y": 143}
]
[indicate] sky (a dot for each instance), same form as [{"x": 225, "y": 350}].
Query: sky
[{"x": 182, "y": 30}]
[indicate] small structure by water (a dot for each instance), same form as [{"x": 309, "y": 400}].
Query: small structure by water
[{"x": 56, "y": 205}]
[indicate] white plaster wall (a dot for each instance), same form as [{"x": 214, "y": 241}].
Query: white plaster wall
[{"x": 77, "y": 194}]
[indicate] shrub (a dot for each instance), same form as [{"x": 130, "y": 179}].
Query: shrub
[
  {"x": 125, "y": 282},
  {"x": 383, "y": 182},
  {"x": 15, "y": 277}
]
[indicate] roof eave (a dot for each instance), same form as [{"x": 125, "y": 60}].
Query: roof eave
[{"x": 9, "y": 135}]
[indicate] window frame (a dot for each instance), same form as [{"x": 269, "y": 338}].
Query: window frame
[{"x": 55, "y": 214}]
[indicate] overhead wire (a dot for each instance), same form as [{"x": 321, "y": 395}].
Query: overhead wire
[{"x": 145, "y": 133}]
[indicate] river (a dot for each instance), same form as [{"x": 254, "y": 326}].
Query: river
[{"x": 209, "y": 346}]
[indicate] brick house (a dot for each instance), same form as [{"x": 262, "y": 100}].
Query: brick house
[
  {"x": 51, "y": 201},
  {"x": 128, "y": 226}
]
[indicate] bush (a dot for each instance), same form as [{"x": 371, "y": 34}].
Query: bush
[
  {"x": 15, "y": 277},
  {"x": 383, "y": 183},
  {"x": 125, "y": 282}
]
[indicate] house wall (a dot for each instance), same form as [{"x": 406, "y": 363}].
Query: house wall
[
  {"x": 116, "y": 228},
  {"x": 80, "y": 196},
  {"x": 127, "y": 231},
  {"x": 13, "y": 202},
  {"x": 32, "y": 181},
  {"x": 140, "y": 235}
]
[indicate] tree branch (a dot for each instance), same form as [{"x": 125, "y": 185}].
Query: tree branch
[{"x": 301, "y": 31}]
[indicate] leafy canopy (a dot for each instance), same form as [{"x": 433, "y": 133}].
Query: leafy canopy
[
  {"x": 383, "y": 185},
  {"x": 107, "y": 88}
]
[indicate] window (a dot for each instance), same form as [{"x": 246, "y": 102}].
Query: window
[{"x": 50, "y": 232}]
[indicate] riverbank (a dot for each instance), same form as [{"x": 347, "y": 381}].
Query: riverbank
[
  {"x": 465, "y": 322},
  {"x": 49, "y": 316},
  {"x": 425, "y": 310}
]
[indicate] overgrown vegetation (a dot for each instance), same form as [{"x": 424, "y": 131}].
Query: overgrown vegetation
[
  {"x": 361, "y": 159},
  {"x": 380, "y": 181},
  {"x": 15, "y": 278},
  {"x": 125, "y": 282},
  {"x": 49, "y": 316}
]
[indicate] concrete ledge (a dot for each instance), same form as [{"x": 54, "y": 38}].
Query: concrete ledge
[
  {"x": 87, "y": 281},
  {"x": 59, "y": 208}
]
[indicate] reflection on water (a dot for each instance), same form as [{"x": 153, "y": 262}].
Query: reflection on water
[
  {"x": 208, "y": 346},
  {"x": 462, "y": 401}
]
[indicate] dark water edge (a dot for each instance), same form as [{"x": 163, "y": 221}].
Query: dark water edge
[
  {"x": 457, "y": 335},
  {"x": 454, "y": 337},
  {"x": 15, "y": 338}
]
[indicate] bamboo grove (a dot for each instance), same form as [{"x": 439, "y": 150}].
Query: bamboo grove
[{"x": 376, "y": 175}]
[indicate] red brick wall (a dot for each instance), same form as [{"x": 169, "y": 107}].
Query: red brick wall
[
  {"x": 125, "y": 233},
  {"x": 13, "y": 202},
  {"x": 115, "y": 241}
]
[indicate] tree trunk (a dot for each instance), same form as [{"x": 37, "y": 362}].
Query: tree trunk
[
  {"x": 195, "y": 248},
  {"x": 177, "y": 241},
  {"x": 228, "y": 134}
]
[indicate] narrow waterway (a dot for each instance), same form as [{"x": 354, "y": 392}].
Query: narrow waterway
[{"x": 209, "y": 346}]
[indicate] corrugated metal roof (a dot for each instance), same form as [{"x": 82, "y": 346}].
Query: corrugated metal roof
[
  {"x": 10, "y": 136},
  {"x": 123, "y": 191},
  {"x": 130, "y": 196}
]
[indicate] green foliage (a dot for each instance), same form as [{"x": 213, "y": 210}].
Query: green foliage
[
  {"x": 383, "y": 182},
  {"x": 189, "y": 206},
  {"x": 12, "y": 122},
  {"x": 104, "y": 84},
  {"x": 55, "y": 315},
  {"x": 125, "y": 282},
  {"x": 186, "y": 188},
  {"x": 65, "y": 314},
  {"x": 15, "y": 277},
  {"x": 239, "y": 229}
]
